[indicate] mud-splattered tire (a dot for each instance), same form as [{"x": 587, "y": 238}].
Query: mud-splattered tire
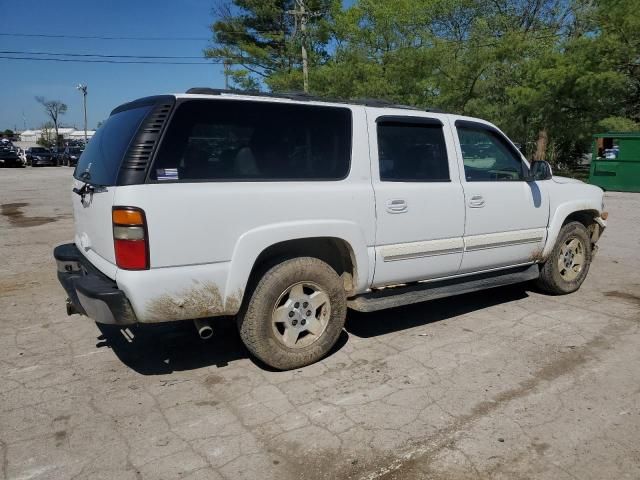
[
  {"x": 295, "y": 314},
  {"x": 568, "y": 264}
]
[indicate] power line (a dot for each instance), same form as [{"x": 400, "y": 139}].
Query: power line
[
  {"x": 16, "y": 52},
  {"x": 102, "y": 37},
  {"x": 76, "y": 60}
]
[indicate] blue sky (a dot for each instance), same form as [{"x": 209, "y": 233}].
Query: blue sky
[{"x": 109, "y": 84}]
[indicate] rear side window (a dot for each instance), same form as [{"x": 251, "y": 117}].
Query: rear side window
[
  {"x": 100, "y": 162},
  {"x": 412, "y": 152},
  {"x": 245, "y": 141}
]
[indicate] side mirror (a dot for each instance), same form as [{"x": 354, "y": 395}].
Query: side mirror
[{"x": 539, "y": 170}]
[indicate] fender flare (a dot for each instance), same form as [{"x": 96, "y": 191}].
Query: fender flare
[
  {"x": 561, "y": 213},
  {"x": 253, "y": 242}
]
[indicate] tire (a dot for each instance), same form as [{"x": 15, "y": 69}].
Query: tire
[
  {"x": 568, "y": 264},
  {"x": 275, "y": 324}
]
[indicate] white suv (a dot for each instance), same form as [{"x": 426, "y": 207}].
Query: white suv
[{"x": 286, "y": 210}]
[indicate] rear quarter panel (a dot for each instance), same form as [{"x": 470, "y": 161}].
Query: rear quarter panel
[{"x": 205, "y": 237}]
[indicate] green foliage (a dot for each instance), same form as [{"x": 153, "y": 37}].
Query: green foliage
[
  {"x": 261, "y": 41},
  {"x": 618, "y": 124},
  {"x": 558, "y": 67},
  {"x": 47, "y": 136}
]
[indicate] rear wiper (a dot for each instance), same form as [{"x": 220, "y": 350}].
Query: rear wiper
[
  {"x": 84, "y": 190},
  {"x": 87, "y": 188}
]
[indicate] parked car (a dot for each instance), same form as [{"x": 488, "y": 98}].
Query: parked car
[
  {"x": 41, "y": 157},
  {"x": 71, "y": 155},
  {"x": 285, "y": 211},
  {"x": 9, "y": 155}
]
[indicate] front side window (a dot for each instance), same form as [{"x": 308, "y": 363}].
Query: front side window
[
  {"x": 412, "y": 152},
  {"x": 488, "y": 157},
  {"x": 245, "y": 141}
]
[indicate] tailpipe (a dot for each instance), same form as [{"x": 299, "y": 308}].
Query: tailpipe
[
  {"x": 203, "y": 326},
  {"x": 71, "y": 308}
]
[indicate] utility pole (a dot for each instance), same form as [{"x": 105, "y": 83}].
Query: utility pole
[
  {"x": 226, "y": 64},
  {"x": 83, "y": 88},
  {"x": 302, "y": 16}
]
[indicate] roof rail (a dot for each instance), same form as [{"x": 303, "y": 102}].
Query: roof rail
[{"x": 301, "y": 96}]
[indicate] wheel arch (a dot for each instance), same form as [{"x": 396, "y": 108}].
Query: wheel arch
[
  {"x": 340, "y": 244},
  {"x": 579, "y": 211}
]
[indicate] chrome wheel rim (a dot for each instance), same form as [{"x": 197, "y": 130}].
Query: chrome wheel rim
[
  {"x": 301, "y": 314},
  {"x": 571, "y": 259}
]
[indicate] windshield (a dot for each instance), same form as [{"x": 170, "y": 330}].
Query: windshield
[
  {"x": 39, "y": 150},
  {"x": 101, "y": 159}
]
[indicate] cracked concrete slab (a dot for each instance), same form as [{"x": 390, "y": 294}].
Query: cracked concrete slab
[{"x": 503, "y": 384}]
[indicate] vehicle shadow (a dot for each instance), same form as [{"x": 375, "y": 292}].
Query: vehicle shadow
[
  {"x": 171, "y": 347},
  {"x": 175, "y": 346},
  {"x": 365, "y": 325}
]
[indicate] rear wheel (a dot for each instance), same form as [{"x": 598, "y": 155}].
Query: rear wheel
[
  {"x": 295, "y": 315},
  {"x": 568, "y": 264}
]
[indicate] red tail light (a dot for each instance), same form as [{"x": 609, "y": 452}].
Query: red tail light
[{"x": 130, "y": 238}]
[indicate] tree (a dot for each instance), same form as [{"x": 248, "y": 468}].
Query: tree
[
  {"x": 53, "y": 108},
  {"x": 261, "y": 38},
  {"x": 618, "y": 124},
  {"x": 46, "y": 139},
  {"x": 548, "y": 72}
]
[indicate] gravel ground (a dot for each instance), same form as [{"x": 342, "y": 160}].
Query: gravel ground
[{"x": 503, "y": 384}]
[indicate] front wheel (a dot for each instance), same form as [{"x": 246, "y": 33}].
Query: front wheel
[
  {"x": 295, "y": 315},
  {"x": 568, "y": 264}
]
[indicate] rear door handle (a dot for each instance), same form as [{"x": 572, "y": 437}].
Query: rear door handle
[
  {"x": 397, "y": 205},
  {"x": 476, "y": 201}
]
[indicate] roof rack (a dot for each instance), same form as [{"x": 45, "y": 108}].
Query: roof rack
[{"x": 302, "y": 97}]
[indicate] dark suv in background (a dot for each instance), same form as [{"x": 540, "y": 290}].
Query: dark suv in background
[
  {"x": 41, "y": 157},
  {"x": 9, "y": 155}
]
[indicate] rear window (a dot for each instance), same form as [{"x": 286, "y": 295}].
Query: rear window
[
  {"x": 101, "y": 159},
  {"x": 246, "y": 141}
]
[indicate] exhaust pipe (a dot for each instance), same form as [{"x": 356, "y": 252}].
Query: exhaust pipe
[
  {"x": 71, "y": 309},
  {"x": 203, "y": 326}
]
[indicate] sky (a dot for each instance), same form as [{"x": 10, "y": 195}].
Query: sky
[{"x": 109, "y": 85}]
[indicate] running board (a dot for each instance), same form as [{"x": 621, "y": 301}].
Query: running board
[{"x": 420, "y": 292}]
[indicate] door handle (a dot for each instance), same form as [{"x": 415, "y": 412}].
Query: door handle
[
  {"x": 397, "y": 205},
  {"x": 476, "y": 201}
]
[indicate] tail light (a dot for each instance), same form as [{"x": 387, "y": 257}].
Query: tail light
[{"x": 130, "y": 238}]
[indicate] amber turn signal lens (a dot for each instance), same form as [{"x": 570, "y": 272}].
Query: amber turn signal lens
[
  {"x": 127, "y": 217},
  {"x": 604, "y": 215}
]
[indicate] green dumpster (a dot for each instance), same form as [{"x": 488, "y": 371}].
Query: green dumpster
[{"x": 615, "y": 163}]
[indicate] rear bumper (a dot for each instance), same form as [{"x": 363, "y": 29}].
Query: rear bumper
[{"x": 90, "y": 292}]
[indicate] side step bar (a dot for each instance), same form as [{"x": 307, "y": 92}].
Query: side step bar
[{"x": 421, "y": 292}]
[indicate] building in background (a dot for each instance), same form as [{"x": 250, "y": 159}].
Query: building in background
[{"x": 29, "y": 138}]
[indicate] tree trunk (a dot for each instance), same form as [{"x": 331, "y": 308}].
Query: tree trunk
[{"x": 541, "y": 145}]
